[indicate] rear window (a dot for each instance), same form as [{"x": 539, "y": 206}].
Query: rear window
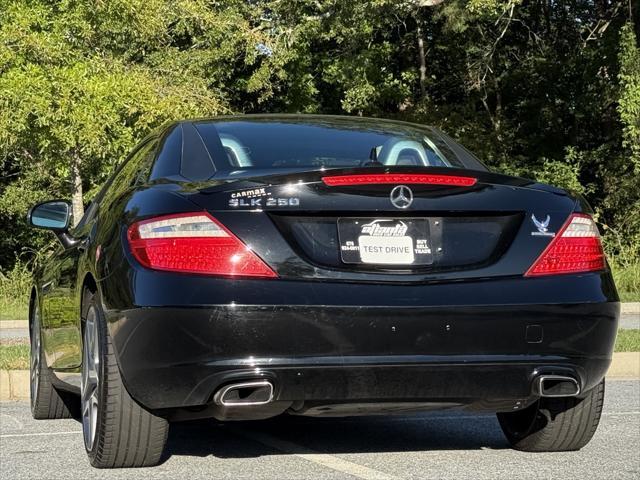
[{"x": 277, "y": 144}]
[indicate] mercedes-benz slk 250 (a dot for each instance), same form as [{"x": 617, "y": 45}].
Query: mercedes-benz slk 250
[{"x": 245, "y": 267}]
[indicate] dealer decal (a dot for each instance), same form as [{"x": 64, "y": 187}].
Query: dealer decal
[{"x": 385, "y": 241}]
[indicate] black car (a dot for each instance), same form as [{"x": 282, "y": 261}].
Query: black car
[{"x": 245, "y": 267}]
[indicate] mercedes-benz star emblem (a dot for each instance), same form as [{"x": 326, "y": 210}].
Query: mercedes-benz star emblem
[{"x": 401, "y": 196}]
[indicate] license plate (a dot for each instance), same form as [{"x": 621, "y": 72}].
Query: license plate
[{"x": 385, "y": 241}]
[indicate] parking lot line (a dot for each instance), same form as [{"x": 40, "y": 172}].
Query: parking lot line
[
  {"x": 38, "y": 434},
  {"x": 324, "y": 459}
]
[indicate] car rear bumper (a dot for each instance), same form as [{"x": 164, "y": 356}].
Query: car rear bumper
[{"x": 476, "y": 356}]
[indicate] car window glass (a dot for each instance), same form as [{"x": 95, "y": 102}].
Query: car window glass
[
  {"x": 134, "y": 170},
  {"x": 282, "y": 144},
  {"x": 89, "y": 213}
]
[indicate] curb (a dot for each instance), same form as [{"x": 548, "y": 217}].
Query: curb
[
  {"x": 630, "y": 308},
  {"x": 14, "y": 384},
  {"x": 13, "y": 324},
  {"x": 625, "y": 365}
]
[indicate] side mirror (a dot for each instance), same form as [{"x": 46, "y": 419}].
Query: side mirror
[{"x": 54, "y": 215}]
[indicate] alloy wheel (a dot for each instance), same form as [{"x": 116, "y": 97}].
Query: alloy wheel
[{"x": 90, "y": 380}]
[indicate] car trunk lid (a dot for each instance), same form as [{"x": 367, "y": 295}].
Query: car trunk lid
[{"x": 305, "y": 225}]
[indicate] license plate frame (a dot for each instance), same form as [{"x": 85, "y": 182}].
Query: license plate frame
[{"x": 385, "y": 241}]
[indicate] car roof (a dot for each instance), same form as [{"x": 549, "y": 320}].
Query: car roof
[{"x": 304, "y": 118}]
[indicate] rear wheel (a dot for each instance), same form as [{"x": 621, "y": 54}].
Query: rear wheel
[
  {"x": 46, "y": 401},
  {"x": 555, "y": 424},
  {"x": 117, "y": 431}
]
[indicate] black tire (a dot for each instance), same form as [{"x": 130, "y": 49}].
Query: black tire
[
  {"x": 555, "y": 424},
  {"x": 126, "y": 435},
  {"x": 46, "y": 402}
]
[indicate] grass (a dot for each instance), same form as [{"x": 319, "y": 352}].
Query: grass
[
  {"x": 628, "y": 297},
  {"x": 628, "y": 341},
  {"x": 16, "y": 357},
  {"x": 13, "y": 310},
  {"x": 627, "y": 281},
  {"x": 14, "y": 293}
]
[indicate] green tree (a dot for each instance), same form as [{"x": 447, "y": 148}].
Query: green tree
[
  {"x": 629, "y": 105},
  {"x": 70, "y": 109},
  {"x": 538, "y": 88},
  {"x": 622, "y": 200}
]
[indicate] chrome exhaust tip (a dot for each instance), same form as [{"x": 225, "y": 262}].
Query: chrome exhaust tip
[
  {"x": 557, "y": 386},
  {"x": 259, "y": 392}
]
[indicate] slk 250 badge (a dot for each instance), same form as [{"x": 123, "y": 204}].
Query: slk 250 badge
[{"x": 264, "y": 202}]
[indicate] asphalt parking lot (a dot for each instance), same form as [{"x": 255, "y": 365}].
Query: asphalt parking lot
[{"x": 437, "y": 445}]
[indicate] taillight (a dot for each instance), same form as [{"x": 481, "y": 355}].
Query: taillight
[
  {"x": 576, "y": 248},
  {"x": 193, "y": 243},
  {"x": 399, "y": 178}
]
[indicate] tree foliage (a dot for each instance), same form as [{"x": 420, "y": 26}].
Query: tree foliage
[
  {"x": 629, "y": 106},
  {"x": 538, "y": 88}
]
